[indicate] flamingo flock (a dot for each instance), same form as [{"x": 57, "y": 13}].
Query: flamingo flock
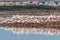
[{"x": 31, "y": 19}]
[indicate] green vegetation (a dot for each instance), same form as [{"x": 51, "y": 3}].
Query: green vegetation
[{"x": 27, "y": 7}]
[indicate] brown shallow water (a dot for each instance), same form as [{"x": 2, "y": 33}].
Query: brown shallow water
[{"x": 54, "y": 25}]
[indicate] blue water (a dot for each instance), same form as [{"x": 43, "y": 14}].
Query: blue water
[{"x": 7, "y": 35}]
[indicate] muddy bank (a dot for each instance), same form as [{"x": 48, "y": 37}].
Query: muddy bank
[{"x": 30, "y": 12}]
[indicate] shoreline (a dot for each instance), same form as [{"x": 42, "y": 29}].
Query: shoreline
[{"x": 35, "y": 31}]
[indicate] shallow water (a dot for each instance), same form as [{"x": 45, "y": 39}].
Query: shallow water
[{"x": 8, "y": 35}]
